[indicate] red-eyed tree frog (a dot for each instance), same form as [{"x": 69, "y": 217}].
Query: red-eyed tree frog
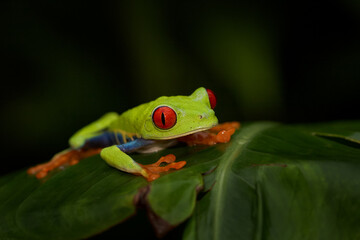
[{"x": 146, "y": 128}]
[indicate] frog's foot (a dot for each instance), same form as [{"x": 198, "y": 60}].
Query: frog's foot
[
  {"x": 225, "y": 126},
  {"x": 219, "y": 134},
  {"x": 67, "y": 157},
  {"x": 153, "y": 170}
]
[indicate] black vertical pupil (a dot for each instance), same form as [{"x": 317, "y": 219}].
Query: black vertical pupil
[{"x": 163, "y": 118}]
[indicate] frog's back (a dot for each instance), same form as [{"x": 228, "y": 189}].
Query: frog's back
[
  {"x": 91, "y": 130},
  {"x": 130, "y": 121}
]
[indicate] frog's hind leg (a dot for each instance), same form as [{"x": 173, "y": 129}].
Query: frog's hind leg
[
  {"x": 91, "y": 146},
  {"x": 72, "y": 156},
  {"x": 92, "y": 130},
  {"x": 66, "y": 157},
  {"x": 84, "y": 143}
]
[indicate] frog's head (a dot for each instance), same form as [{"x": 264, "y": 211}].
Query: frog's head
[{"x": 173, "y": 117}]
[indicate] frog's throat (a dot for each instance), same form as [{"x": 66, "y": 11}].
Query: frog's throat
[{"x": 183, "y": 134}]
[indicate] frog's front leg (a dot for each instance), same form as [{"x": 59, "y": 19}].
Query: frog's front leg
[
  {"x": 116, "y": 157},
  {"x": 221, "y": 133}
]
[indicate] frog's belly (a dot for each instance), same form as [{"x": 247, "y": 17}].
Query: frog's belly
[{"x": 157, "y": 146}]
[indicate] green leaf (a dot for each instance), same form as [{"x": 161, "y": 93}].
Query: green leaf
[
  {"x": 173, "y": 197},
  {"x": 271, "y": 181},
  {"x": 90, "y": 197},
  {"x": 76, "y": 203},
  {"x": 348, "y": 131},
  {"x": 283, "y": 182}
]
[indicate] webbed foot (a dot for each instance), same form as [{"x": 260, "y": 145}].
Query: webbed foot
[
  {"x": 221, "y": 133},
  {"x": 67, "y": 157},
  {"x": 153, "y": 170}
]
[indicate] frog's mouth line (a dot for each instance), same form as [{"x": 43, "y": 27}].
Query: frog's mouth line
[{"x": 185, "y": 134}]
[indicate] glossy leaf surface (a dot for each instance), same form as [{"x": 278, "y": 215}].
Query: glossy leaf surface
[
  {"x": 271, "y": 181},
  {"x": 284, "y": 182}
]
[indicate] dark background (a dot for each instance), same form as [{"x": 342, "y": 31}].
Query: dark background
[{"x": 65, "y": 63}]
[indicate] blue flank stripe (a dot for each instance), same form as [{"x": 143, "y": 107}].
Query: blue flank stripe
[
  {"x": 107, "y": 139},
  {"x": 134, "y": 145}
]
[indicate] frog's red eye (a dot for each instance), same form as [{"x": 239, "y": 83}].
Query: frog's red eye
[
  {"x": 164, "y": 117},
  {"x": 212, "y": 98}
]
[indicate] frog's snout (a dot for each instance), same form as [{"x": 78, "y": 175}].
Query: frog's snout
[{"x": 206, "y": 115}]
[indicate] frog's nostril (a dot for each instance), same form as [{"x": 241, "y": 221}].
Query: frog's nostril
[{"x": 200, "y": 116}]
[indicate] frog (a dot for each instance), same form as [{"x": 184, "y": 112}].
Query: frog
[{"x": 147, "y": 128}]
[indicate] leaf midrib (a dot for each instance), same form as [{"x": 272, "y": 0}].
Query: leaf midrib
[{"x": 239, "y": 143}]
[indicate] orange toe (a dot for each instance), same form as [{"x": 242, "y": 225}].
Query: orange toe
[
  {"x": 225, "y": 135},
  {"x": 226, "y": 126},
  {"x": 154, "y": 170},
  {"x": 178, "y": 165},
  {"x": 219, "y": 134},
  {"x": 152, "y": 176},
  {"x": 41, "y": 174},
  {"x": 165, "y": 159}
]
